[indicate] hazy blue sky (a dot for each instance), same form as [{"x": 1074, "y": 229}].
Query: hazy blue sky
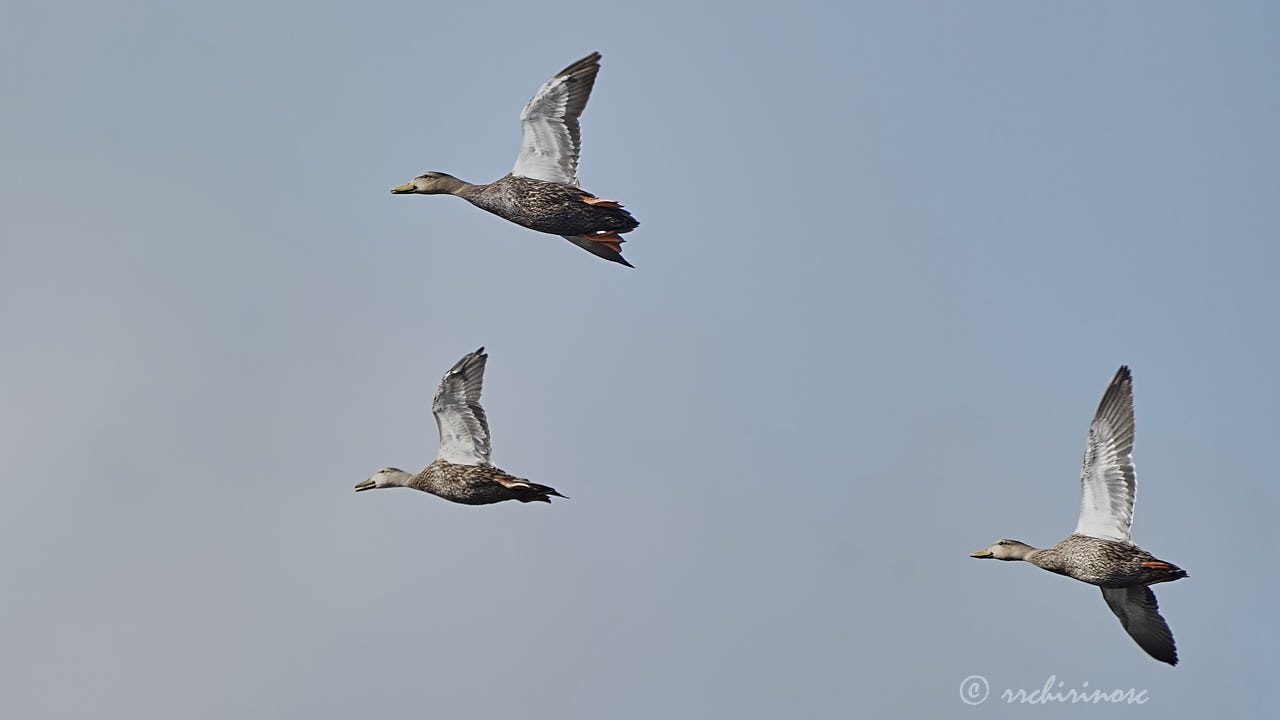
[{"x": 890, "y": 255}]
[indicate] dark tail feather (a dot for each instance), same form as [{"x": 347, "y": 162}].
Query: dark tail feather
[
  {"x": 539, "y": 493},
  {"x": 1162, "y": 571}
]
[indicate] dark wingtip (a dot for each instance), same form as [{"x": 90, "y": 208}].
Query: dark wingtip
[
  {"x": 590, "y": 62},
  {"x": 612, "y": 256},
  {"x": 598, "y": 248}
]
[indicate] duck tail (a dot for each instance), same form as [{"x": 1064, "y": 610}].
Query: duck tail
[
  {"x": 1162, "y": 571},
  {"x": 610, "y": 214},
  {"x": 539, "y": 493}
]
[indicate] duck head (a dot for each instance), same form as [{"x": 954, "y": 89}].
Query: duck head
[
  {"x": 1005, "y": 550},
  {"x": 386, "y": 477},
  {"x": 431, "y": 183}
]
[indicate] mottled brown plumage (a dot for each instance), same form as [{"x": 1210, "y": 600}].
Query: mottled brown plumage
[{"x": 477, "y": 484}]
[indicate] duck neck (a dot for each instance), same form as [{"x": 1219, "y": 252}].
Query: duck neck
[
  {"x": 1022, "y": 551},
  {"x": 462, "y": 189},
  {"x": 1046, "y": 559}
]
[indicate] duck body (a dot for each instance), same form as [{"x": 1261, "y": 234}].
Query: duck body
[
  {"x": 548, "y": 207},
  {"x": 1105, "y": 563},
  {"x": 477, "y": 484}
]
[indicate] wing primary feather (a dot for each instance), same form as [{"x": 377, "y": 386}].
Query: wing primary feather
[
  {"x": 1107, "y": 476},
  {"x": 1139, "y": 614},
  {"x": 550, "y": 133},
  {"x": 463, "y": 426}
]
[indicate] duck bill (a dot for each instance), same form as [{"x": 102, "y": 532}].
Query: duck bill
[
  {"x": 981, "y": 554},
  {"x": 402, "y": 190},
  {"x": 366, "y": 485}
]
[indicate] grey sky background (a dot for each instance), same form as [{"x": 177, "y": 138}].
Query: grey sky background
[{"x": 890, "y": 255}]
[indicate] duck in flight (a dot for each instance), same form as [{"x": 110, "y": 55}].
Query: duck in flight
[
  {"x": 541, "y": 192},
  {"x": 1100, "y": 552},
  {"x": 462, "y": 472}
]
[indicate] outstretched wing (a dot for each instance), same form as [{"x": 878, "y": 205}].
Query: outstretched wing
[
  {"x": 549, "y": 123},
  {"x": 464, "y": 429},
  {"x": 1107, "y": 475},
  {"x": 1140, "y": 615}
]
